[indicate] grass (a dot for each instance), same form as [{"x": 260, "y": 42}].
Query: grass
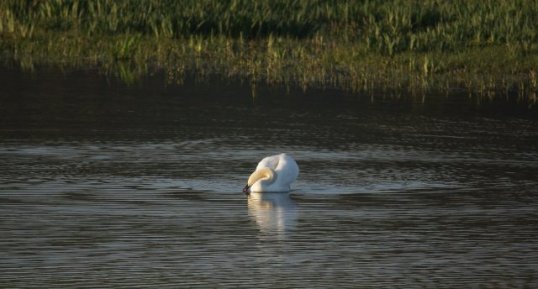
[{"x": 481, "y": 47}]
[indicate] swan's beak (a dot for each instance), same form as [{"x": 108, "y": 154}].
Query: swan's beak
[{"x": 246, "y": 190}]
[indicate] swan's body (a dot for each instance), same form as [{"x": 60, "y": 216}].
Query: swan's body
[{"x": 273, "y": 174}]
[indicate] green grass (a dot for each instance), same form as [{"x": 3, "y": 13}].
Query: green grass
[{"x": 487, "y": 48}]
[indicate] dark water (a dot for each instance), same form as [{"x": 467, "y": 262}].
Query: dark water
[{"x": 103, "y": 185}]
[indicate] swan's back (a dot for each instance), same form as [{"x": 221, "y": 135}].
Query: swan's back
[
  {"x": 269, "y": 162},
  {"x": 284, "y": 165}
]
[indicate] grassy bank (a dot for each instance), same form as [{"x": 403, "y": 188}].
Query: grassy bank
[{"x": 487, "y": 48}]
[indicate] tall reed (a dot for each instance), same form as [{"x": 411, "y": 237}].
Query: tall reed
[{"x": 482, "y": 45}]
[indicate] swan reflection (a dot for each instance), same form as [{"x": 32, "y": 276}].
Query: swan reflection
[{"x": 274, "y": 213}]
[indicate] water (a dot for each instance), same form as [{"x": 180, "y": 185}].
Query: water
[{"x": 103, "y": 185}]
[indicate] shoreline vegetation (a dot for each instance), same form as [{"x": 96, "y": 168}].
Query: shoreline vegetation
[{"x": 485, "y": 48}]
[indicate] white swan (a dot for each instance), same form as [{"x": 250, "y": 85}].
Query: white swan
[{"x": 273, "y": 174}]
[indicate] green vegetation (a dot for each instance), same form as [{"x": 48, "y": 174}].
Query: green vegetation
[{"x": 482, "y": 47}]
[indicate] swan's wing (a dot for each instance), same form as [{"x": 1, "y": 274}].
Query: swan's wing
[
  {"x": 287, "y": 169},
  {"x": 269, "y": 162}
]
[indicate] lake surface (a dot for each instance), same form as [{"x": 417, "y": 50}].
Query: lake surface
[{"x": 108, "y": 186}]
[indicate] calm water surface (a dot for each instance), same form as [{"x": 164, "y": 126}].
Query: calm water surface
[{"x": 103, "y": 185}]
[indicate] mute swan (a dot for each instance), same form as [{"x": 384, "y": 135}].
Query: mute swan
[{"x": 273, "y": 174}]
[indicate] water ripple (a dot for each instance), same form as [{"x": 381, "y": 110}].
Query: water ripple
[{"x": 147, "y": 193}]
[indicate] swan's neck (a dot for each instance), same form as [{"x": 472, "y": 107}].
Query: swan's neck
[{"x": 265, "y": 174}]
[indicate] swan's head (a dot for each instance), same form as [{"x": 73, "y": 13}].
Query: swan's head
[{"x": 259, "y": 178}]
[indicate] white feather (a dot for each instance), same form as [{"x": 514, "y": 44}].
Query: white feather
[{"x": 285, "y": 171}]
